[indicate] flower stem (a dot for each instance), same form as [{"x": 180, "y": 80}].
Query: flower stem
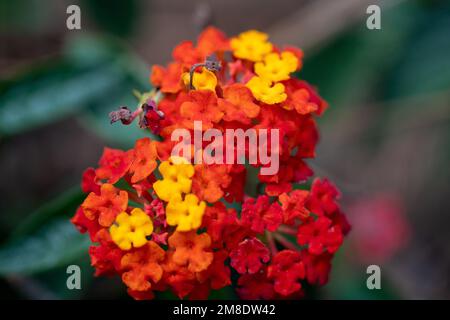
[
  {"x": 287, "y": 230},
  {"x": 285, "y": 242},
  {"x": 271, "y": 243}
]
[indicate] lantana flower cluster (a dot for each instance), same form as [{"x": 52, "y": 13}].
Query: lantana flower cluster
[{"x": 162, "y": 222}]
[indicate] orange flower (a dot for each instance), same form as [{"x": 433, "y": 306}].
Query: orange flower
[
  {"x": 295, "y": 90},
  {"x": 106, "y": 206},
  {"x": 201, "y": 107},
  {"x": 178, "y": 277},
  {"x": 293, "y": 205},
  {"x": 168, "y": 79},
  {"x": 238, "y": 104},
  {"x": 301, "y": 102},
  {"x": 191, "y": 250},
  {"x": 209, "y": 181},
  {"x": 114, "y": 164},
  {"x": 186, "y": 54},
  {"x": 212, "y": 40},
  {"x": 170, "y": 106},
  {"x": 144, "y": 161},
  {"x": 143, "y": 265}
]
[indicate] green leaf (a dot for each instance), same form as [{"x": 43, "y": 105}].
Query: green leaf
[
  {"x": 114, "y": 16},
  {"x": 349, "y": 69},
  {"x": 55, "y": 244},
  {"x": 425, "y": 64},
  {"x": 64, "y": 205},
  {"x": 45, "y": 239},
  {"x": 91, "y": 69},
  {"x": 44, "y": 97}
]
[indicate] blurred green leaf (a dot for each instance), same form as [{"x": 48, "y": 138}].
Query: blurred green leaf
[
  {"x": 425, "y": 65},
  {"x": 43, "y": 97},
  {"x": 55, "y": 244},
  {"x": 114, "y": 16},
  {"x": 348, "y": 280},
  {"x": 92, "y": 73},
  {"x": 23, "y": 15},
  {"x": 45, "y": 239},
  {"x": 64, "y": 205},
  {"x": 55, "y": 279},
  {"x": 350, "y": 68}
]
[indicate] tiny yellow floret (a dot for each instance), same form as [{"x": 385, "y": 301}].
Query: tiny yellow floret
[
  {"x": 131, "y": 230},
  {"x": 251, "y": 45},
  {"x": 276, "y": 67},
  {"x": 186, "y": 214},
  {"x": 176, "y": 175},
  {"x": 204, "y": 80},
  {"x": 263, "y": 90}
]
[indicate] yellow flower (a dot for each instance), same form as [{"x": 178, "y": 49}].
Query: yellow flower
[
  {"x": 177, "y": 174},
  {"x": 185, "y": 214},
  {"x": 251, "y": 45},
  {"x": 264, "y": 91},
  {"x": 204, "y": 80},
  {"x": 275, "y": 67},
  {"x": 131, "y": 229}
]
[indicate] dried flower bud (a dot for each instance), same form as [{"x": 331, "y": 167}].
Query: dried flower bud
[{"x": 123, "y": 114}]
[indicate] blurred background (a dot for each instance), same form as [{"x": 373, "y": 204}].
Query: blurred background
[{"x": 384, "y": 139}]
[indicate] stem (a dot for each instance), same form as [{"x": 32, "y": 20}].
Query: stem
[
  {"x": 134, "y": 197},
  {"x": 191, "y": 74},
  {"x": 288, "y": 230},
  {"x": 285, "y": 242},
  {"x": 158, "y": 97},
  {"x": 271, "y": 243}
]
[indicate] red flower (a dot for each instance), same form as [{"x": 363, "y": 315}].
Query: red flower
[
  {"x": 340, "y": 219},
  {"x": 320, "y": 235},
  {"x": 278, "y": 183},
  {"x": 249, "y": 256},
  {"x": 225, "y": 229},
  {"x": 84, "y": 224},
  {"x": 89, "y": 181},
  {"x": 286, "y": 269},
  {"x": 317, "y": 267},
  {"x": 106, "y": 257},
  {"x": 235, "y": 190},
  {"x": 255, "y": 286},
  {"x": 218, "y": 220},
  {"x": 292, "y": 170},
  {"x": 323, "y": 197},
  {"x": 260, "y": 215},
  {"x": 218, "y": 273}
]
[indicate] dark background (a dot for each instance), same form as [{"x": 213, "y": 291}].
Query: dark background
[{"x": 384, "y": 140}]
